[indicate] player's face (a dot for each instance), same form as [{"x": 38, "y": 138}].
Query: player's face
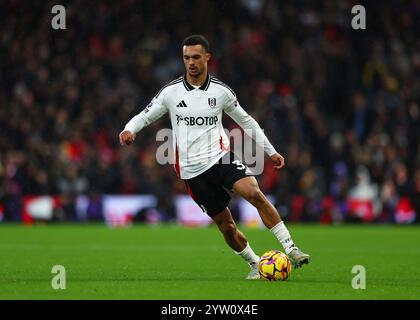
[{"x": 195, "y": 59}]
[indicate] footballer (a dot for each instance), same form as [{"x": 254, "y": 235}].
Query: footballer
[{"x": 196, "y": 102}]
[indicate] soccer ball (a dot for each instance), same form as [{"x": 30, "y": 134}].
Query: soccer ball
[{"x": 274, "y": 265}]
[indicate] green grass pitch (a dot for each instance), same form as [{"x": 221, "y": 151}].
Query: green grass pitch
[{"x": 173, "y": 262}]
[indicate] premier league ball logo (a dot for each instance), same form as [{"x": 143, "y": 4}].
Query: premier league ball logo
[{"x": 212, "y": 102}]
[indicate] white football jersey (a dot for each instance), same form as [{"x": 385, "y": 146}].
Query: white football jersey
[{"x": 196, "y": 117}]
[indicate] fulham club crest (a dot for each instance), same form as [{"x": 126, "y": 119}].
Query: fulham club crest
[{"x": 212, "y": 102}]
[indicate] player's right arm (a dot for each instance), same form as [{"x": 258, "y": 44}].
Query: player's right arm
[{"x": 153, "y": 111}]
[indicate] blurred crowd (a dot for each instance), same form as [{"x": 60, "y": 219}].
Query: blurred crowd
[{"x": 341, "y": 105}]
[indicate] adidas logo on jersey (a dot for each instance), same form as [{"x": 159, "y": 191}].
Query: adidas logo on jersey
[{"x": 181, "y": 104}]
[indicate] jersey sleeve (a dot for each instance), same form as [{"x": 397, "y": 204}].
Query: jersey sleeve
[
  {"x": 152, "y": 112},
  {"x": 248, "y": 123}
]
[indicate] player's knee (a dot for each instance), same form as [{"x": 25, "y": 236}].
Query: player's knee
[
  {"x": 228, "y": 228},
  {"x": 256, "y": 197}
]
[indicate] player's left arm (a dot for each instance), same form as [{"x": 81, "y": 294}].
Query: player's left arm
[{"x": 248, "y": 123}]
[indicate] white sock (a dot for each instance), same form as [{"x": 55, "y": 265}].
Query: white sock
[
  {"x": 283, "y": 235},
  {"x": 248, "y": 255}
]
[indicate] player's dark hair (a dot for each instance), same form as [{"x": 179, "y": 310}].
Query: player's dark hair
[{"x": 197, "y": 39}]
